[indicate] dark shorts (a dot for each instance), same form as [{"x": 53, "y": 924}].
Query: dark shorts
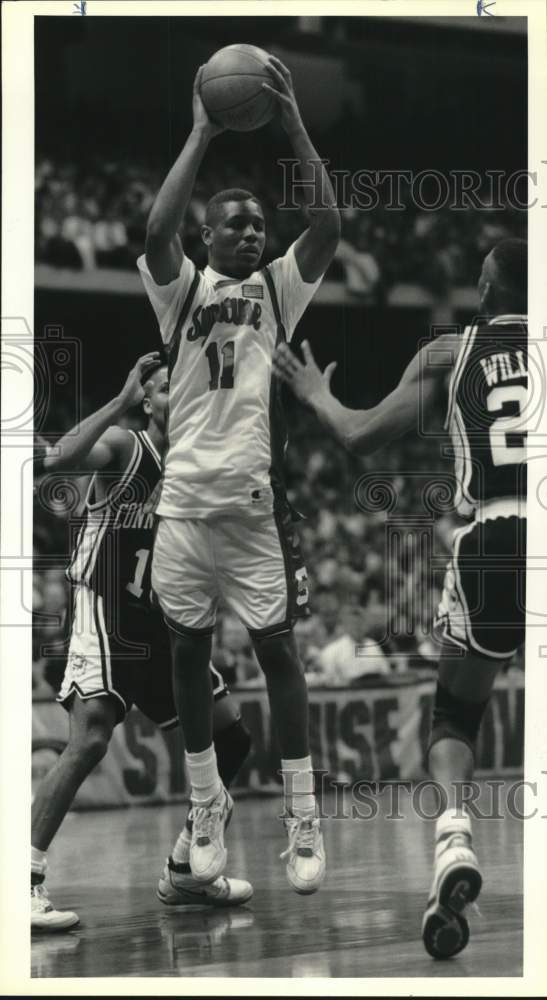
[
  {"x": 124, "y": 653},
  {"x": 482, "y": 608}
]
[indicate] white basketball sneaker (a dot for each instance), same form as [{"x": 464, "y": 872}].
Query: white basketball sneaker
[
  {"x": 178, "y": 887},
  {"x": 208, "y": 855},
  {"x": 305, "y": 854},
  {"x": 457, "y": 882},
  {"x": 43, "y": 917}
]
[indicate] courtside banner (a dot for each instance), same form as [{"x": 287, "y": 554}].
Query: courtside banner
[{"x": 376, "y": 733}]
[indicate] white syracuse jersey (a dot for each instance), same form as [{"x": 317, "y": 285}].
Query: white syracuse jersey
[{"x": 226, "y": 439}]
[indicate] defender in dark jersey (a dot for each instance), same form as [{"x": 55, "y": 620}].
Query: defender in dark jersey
[
  {"x": 481, "y": 382},
  {"x": 119, "y": 652}
]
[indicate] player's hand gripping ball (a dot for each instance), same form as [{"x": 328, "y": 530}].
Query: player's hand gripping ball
[{"x": 231, "y": 88}]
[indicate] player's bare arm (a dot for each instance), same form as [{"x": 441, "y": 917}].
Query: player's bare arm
[
  {"x": 163, "y": 247},
  {"x": 364, "y": 431},
  {"x": 96, "y": 443},
  {"x": 316, "y": 247}
]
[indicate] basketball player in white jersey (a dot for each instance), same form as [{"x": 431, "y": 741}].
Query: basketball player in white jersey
[
  {"x": 225, "y": 525},
  {"x": 480, "y": 380},
  {"x": 119, "y": 651}
]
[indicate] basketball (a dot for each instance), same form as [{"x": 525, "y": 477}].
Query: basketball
[{"x": 231, "y": 88}]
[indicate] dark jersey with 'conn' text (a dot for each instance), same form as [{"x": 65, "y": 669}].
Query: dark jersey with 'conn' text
[{"x": 113, "y": 549}]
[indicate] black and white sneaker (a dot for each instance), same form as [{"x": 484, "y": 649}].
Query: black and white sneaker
[
  {"x": 178, "y": 887},
  {"x": 457, "y": 882}
]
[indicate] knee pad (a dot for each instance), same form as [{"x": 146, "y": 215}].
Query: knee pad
[
  {"x": 231, "y": 747},
  {"x": 455, "y": 719}
]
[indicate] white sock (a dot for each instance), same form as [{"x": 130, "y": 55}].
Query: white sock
[
  {"x": 204, "y": 777},
  {"x": 298, "y": 786},
  {"x": 38, "y": 861},
  {"x": 181, "y": 850}
]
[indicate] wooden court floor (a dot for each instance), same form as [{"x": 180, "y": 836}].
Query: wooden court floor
[{"x": 365, "y": 921}]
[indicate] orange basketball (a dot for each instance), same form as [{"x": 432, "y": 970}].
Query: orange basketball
[{"x": 231, "y": 88}]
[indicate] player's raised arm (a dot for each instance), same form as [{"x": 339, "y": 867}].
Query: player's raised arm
[
  {"x": 404, "y": 409},
  {"x": 95, "y": 443},
  {"x": 316, "y": 246},
  {"x": 163, "y": 247}
]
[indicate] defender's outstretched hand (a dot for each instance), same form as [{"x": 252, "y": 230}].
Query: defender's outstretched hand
[
  {"x": 133, "y": 390},
  {"x": 306, "y": 380},
  {"x": 284, "y": 94},
  {"x": 202, "y": 120}
]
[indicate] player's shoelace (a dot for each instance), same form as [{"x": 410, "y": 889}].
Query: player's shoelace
[
  {"x": 302, "y": 834},
  {"x": 40, "y": 893},
  {"x": 206, "y": 820}
]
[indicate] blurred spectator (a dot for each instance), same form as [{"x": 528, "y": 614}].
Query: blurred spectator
[
  {"x": 361, "y": 268},
  {"x": 354, "y": 654},
  {"x": 234, "y": 646},
  {"x": 326, "y": 604}
]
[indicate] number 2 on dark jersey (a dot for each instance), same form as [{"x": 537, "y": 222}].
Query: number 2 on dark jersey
[{"x": 507, "y": 437}]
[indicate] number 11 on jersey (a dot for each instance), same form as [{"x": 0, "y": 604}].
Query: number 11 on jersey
[{"x": 226, "y": 380}]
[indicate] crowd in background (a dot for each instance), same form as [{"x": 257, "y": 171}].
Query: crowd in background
[{"x": 95, "y": 217}]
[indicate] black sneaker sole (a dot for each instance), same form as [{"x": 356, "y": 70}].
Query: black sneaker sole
[
  {"x": 445, "y": 934},
  {"x": 446, "y": 931}
]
